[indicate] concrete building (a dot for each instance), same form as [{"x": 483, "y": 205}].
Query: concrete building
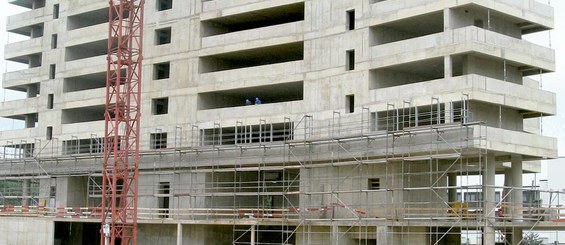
[{"x": 286, "y": 122}]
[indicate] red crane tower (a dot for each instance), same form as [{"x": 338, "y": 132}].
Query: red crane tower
[{"x": 122, "y": 115}]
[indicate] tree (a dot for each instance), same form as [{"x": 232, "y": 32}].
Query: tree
[{"x": 532, "y": 239}]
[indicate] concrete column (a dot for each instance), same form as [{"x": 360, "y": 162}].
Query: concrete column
[
  {"x": 179, "y": 234},
  {"x": 25, "y": 192},
  {"x": 517, "y": 194},
  {"x": 253, "y": 235},
  {"x": 452, "y": 183},
  {"x": 507, "y": 202},
  {"x": 446, "y": 19},
  {"x": 489, "y": 200},
  {"x": 516, "y": 236},
  {"x": 382, "y": 235},
  {"x": 448, "y": 114},
  {"x": 447, "y": 65}
]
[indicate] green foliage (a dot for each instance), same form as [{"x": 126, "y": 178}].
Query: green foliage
[{"x": 532, "y": 239}]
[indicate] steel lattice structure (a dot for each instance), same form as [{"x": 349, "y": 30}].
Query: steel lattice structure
[{"x": 122, "y": 115}]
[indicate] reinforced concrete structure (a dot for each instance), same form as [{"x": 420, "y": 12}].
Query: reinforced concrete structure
[{"x": 287, "y": 122}]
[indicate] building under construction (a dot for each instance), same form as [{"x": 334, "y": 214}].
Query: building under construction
[{"x": 351, "y": 122}]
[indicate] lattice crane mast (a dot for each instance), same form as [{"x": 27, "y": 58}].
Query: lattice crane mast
[{"x": 122, "y": 115}]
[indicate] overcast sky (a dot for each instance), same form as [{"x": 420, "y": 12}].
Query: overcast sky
[{"x": 552, "y": 126}]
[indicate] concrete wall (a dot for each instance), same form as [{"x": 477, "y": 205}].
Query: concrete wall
[{"x": 26, "y": 230}]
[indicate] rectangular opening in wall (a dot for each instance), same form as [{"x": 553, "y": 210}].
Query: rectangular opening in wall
[
  {"x": 94, "y": 186},
  {"x": 158, "y": 141},
  {"x": 254, "y": 19},
  {"x": 350, "y": 103},
  {"x": 253, "y": 57},
  {"x": 23, "y": 150},
  {"x": 161, "y": 70},
  {"x": 163, "y": 36},
  {"x": 407, "y": 73},
  {"x": 83, "y": 114},
  {"x": 163, "y": 198},
  {"x": 87, "y": 19},
  {"x": 350, "y": 15},
  {"x": 49, "y": 133},
  {"x": 87, "y": 50},
  {"x": 374, "y": 184},
  {"x": 434, "y": 114},
  {"x": 408, "y": 28},
  {"x": 85, "y": 82},
  {"x": 160, "y": 106},
  {"x": 93, "y": 145},
  {"x": 54, "y": 41},
  {"x": 350, "y": 60},
  {"x": 244, "y": 134},
  {"x": 56, "y": 11},
  {"x": 275, "y": 93},
  {"x": 32, "y": 31},
  {"x": 164, "y": 5},
  {"x": 31, "y": 60},
  {"x": 52, "y": 71},
  {"x": 492, "y": 67},
  {"x": 50, "y": 98}
]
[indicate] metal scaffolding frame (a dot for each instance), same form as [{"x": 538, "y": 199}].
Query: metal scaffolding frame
[{"x": 360, "y": 177}]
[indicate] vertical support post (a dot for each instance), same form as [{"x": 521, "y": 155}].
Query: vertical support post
[
  {"x": 25, "y": 192},
  {"x": 517, "y": 193},
  {"x": 179, "y": 234},
  {"x": 452, "y": 183},
  {"x": 489, "y": 204},
  {"x": 447, "y": 67},
  {"x": 253, "y": 235}
]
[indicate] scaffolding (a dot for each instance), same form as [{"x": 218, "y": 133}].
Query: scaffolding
[{"x": 396, "y": 176}]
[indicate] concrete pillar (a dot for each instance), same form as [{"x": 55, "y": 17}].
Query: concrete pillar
[
  {"x": 507, "y": 201},
  {"x": 30, "y": 120},
  {"x": 489, "y": 200},
  {"x": 396, "y": 196},
  {"x": 179, "y": 234},
  {"x": 25, "y": 192},
  {"x": 253, "y": 235},
  {"x": 516, "y": 237},
  {"x": 448, "y": 114},
  {"x": 517, "y": 193},
  {"x": 382, "y": 235},
  {"x": 446, "y": 19},
  {"x": 452, "y": 183},
  {"x": 447, "y": 67}
]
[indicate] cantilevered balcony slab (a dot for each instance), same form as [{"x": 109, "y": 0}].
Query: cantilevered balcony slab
[
  {"x": 23, "y": 48},
  {"x": 86, "y": 97},
  {"x": 530, "y": 146},
  {"x": 227, "y": 115},
  {"x": 527, "y": 11},
  {"x": 270, "y": 35},
  {"x": 221, "y": 8},
  {"x": 20, "y": 78},
  {"x": 464, "y": 40},
  {"x": 85, "y": 66},
  {"x": 28, "y": 18},
  {"x": 479, "y": 88},
  {"x": 19, "y": 107},
  {"x": 82, "y": 130},
  {"x": 87, "y": 35},
  {"x": 251, "y": 44},
  {"x": 15, "y": 136},
  {"x": 257, "y": 75}
]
